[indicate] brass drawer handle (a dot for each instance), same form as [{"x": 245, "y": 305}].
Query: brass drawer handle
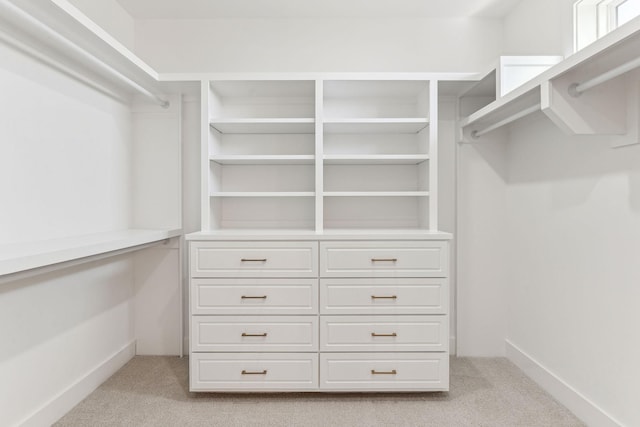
[
  {"x": 254, "y": 372},
  {"x": 256, "y": 297},
  {"x": 384, "y": 259},
  {"x": 391, "y": 372},
  {"x": 384, "y": 297},
  {"x": 244, "y": 334},
  {"x": 253, "y": 259},
  {"x": 392, "y": 334}
]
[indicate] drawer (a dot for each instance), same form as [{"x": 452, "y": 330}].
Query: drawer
[
  {"x": 254, "y": 372},
  {"x": 384, "y": 333},
  {"x": 254, "y": 333},
  {"x": 254, "y": 259},
  {"x": 384, "y": 259},
  {"x": 254, "y": 296},
  {"x": 384, "y": 296},
  {"x": 384, "y": 372}
]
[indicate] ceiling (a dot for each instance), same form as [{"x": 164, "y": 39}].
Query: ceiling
[{"x": 211, "y": 9}]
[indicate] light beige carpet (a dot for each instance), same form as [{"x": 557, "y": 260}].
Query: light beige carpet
[{"x": 153, "y": 391}]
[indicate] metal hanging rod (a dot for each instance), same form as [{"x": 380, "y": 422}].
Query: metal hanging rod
[
  {"x": 478, "y": 133},
  {"x": 50, "y": 34},
  {"x": 577, "y": 89}
]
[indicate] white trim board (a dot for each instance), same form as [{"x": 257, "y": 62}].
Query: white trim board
[
  {"x": 571, "y": 398},
  {"x": 62, "y": 403}
]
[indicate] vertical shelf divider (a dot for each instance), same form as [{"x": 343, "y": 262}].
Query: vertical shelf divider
[
  {"x": 205, "y": 215},
  {"x": 319, "y": 155},
  {"x": 433, "y": 155}
]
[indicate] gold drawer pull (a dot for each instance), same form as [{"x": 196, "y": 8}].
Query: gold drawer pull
[
  {"x": 254, "y": 372},
  {"x": 392, "y": 334},
  {"x": 384, "y": 259},
  {"x": 253, "y": 259},
  {"x": 386, "y": 297},
  {"x": 244, "y": 334},
  {"x": 256, "y": 297},
  {"x": 391, "y": 372}
]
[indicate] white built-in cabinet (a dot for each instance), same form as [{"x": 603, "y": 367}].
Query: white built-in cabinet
[
  {"x": 319, "y": 154},
  {"x": 319, "y": 266}
]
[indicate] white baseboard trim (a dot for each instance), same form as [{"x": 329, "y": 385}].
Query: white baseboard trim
[
  {"x": 581, "y": 406},
  {"x": 53, "y": 410}
]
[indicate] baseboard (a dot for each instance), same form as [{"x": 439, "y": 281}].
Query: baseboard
[
  {"x": 53, "y": 410},
  {"x": 582, "y": 407}
]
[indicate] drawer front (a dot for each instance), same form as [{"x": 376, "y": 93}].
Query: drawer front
[
  {"x": 254, "y": 333},
  {"x": 384, "y": 372},
  {"x": 384, "y": 333},
  {"x": 254, "y": 296},
  {"x": 384, "y": 296},
  {"x": 384, "y": 259},
  {"x": 254, "y": 372},
  {"x": 254, "y": 259}
]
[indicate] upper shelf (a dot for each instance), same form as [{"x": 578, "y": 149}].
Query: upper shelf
[
  {"x": 19, "y": 257},
  {"x": 597, "y": 107},
  {"x": 57, "y": 33},
  {"x": 375, "y": 125}
]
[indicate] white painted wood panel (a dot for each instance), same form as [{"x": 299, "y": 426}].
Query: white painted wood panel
[
  {"x": 384, "y": 296},
  {"x": 384, "y": 259},
  {"x": 384, "y": 372},
  {"x": 254, "y": 333},
  {"x": 384, "y": 333},
  {"x": 254, "y": 259},
  {"x": 254, "y": 372},
  {"x": 251, "y": 296}
]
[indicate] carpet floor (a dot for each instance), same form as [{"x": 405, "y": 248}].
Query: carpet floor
[{"x": 153, "y": 391}]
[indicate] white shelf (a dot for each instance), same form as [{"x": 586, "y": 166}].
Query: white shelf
[
  {"x": 263, "y": 194},
  {"x": 551, "y": 89},
  {"x": 375, "y": 125},
  {"x": 263, "y": 125},
  {"x": 376, "y": 194},
  {"x": 20, "y": 257},
  {"x": 262, "y": 159},
  {"x": 375, "y": 159}
]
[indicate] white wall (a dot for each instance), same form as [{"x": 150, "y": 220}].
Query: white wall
[
  {"x": 573, "y": 205},
  {"x": 64, "y": 158},
  {"x": 266, "y": 45},
  {"x": 66, "y": 169},
  {"x": 539, "y": 27}
]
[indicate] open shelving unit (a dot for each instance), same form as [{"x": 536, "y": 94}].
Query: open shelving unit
[
  {"x": 583, "y": 95},
  {"x": 319, "y": 154}
]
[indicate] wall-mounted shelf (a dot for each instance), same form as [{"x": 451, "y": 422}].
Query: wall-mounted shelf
[
  {"x": 597, "y": 71},
  {"x": 264, "y": 125},
  {"x": 375, "y": 125},
  {"x": 58, "y": 34},
  {"x": 376, "y": 193},
  {"x": 240, "y": 159},
  {"x": 21, "y": 257},
  {"x": 263, "y": 194},
  {"x": 375, "y": 159}
]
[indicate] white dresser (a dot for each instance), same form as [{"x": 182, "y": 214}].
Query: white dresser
[{"x": 319, "y": 315}]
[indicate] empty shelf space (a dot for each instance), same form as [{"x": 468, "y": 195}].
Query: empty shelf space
[
  {"x": 262, "y": 159},
  {"x": 263, "y": 125},
  {"x": 376, "y": 159},
  {"x": 375, "y": 125},
  {"x": 18, "y": 257}
]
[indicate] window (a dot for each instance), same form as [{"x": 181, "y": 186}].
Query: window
[{"x": 595, "y": 18}]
